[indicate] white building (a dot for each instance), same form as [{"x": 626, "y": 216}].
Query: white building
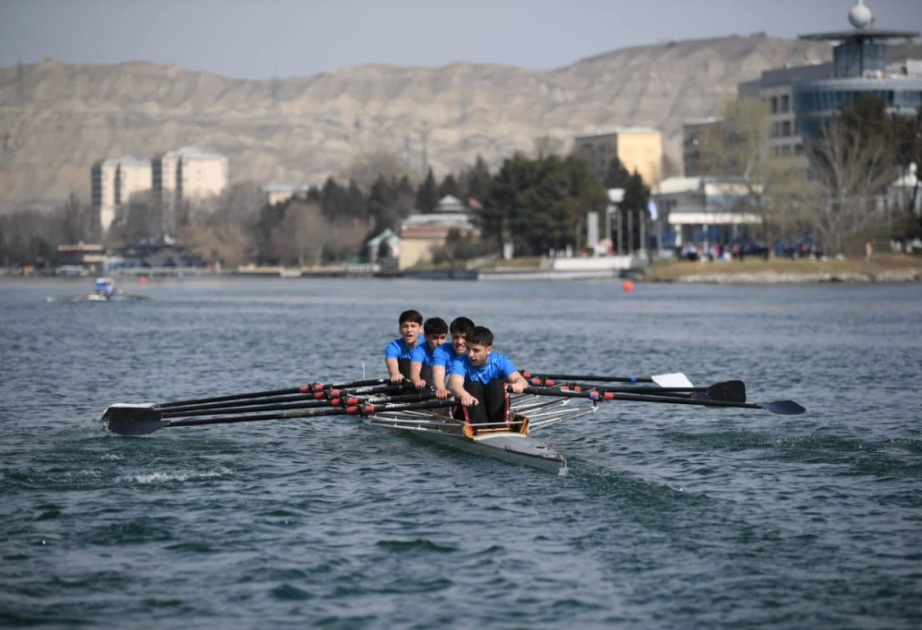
[
  {"x": 188, "y": 174},
  {"x": 701, "y": 210},
  {"x": 113, "y": 181},
  {"x": 420, "y": 234}
]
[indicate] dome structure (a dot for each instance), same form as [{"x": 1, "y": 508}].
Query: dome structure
[{"x": 860, "y": 16}]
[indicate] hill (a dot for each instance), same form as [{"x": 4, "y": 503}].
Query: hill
[{"x": 57, "y": 119}]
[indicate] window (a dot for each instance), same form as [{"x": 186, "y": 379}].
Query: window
[
  {"x": 774, "y": 104},
  {"x": 785, "y": 103},
  {"x": 786, "y": 128}
]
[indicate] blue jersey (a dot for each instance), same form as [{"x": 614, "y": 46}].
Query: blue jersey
[
  {"x": 421, "y": 353},
  {"x": 445, "y": 355},
  {"x": 498, "y": 366},
  {"x": 398, "y": 349}
]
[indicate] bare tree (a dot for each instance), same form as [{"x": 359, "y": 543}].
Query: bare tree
[
  {"x": 738, "y": 149},
  {"x": 852, "y": 170},
  {"x": 547, "y": 145},
  {"x": 366, "y": 168}
]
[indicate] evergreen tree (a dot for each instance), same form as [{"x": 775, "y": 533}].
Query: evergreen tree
[
  {"x": 541, "y": 204},
  {"x": 332, "y": 199},
  {"x": 616, "y": 176},
  {"x": 449, "y": 187},
  {"x": 427, "y": 195},
  {"x": 475, "y": 181}
]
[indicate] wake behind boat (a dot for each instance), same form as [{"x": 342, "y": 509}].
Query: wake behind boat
[{"x": 400, "y": 407}]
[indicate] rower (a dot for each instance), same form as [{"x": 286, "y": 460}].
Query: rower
[
  {"x": 477, "y": 380},
  {"x": 398, "y": 352},
  {"x": 435, "y": 332},
  {"x": 445, "y": 355}
]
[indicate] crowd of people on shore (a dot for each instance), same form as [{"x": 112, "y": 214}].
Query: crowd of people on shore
[{"x": 739, "y": 251}]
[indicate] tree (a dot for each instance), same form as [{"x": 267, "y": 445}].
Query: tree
[
  {"x": 427, "y": 195},
  {"x": 852, "y": 162},
  {"x": 541, "y": 204},
  {"x": 616, "y": 175},
  {"x": 907, "y": 133},
  {"x": 366, "y": 168},
  {"x": 449, "y": 187},
  {"x": 475, "y": 181},
  {"x": 738, "y": 148}
]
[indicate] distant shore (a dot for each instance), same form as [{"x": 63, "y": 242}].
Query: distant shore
[{"x": 882, "y": 268}]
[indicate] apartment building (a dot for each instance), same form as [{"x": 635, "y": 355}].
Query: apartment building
[
  {"x": 638, "y": 148},
  {"x": 113, "y": 182},
  {"x": 188, "y": 174}
]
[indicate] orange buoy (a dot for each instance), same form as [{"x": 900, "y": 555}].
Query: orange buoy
[
  {"x": 142, "y": 280},
  {"x": 628, "y": 286}
]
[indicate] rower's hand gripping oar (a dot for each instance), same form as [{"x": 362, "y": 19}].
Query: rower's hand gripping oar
[
  {"x": 781, "y": 407},
  {"x": 138, "y": 419},
  {"x": 676, "y": 379}
]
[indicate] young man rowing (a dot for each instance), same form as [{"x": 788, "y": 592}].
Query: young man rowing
[
  {"x": 435, "y": 332},
  {"x": 447, "y": 353},
  {"x": 477, "y": 380},
  {"x": 398, "y": 353}
]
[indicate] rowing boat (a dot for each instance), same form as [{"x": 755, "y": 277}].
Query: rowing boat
[
  {"x": 511, "y": 442},
  {"x": 400, "y": 407}
]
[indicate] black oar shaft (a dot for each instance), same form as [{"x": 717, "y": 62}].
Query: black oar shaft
[
  {"x": 182, "y": 412},
  {"x": 591, "y": 378},
  {"x": 303, "y": 389}
]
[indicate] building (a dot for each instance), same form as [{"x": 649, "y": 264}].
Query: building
[
  {"x": 801, "y": 97},
  {"x": 188, "y": 174},
  {"x": 702, "y": 211},
  {"x": 280, "y": 193},
  {"x": 421, "y": 234},
  {"x": 639, "y": 149},
  {"x": 113, "y": 182}
]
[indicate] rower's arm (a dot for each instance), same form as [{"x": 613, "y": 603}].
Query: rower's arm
[
  {"x": 416, "y": 376},
  {"x": 456, "y": 386},
  {"x": 438, "y": 381},
  {"x": 517, "y": 381},
  {"x": 393, "y": 370}
]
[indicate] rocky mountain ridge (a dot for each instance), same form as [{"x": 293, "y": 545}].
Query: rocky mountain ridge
[{"x": 57, "y": 119}]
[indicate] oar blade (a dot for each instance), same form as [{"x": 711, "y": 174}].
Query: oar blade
[
  {"x": 676, "y": 379},
  {"x": 133, "y": 419},
  {"x": 783, "y": 407},
  {"x": 728, "y": 391}
]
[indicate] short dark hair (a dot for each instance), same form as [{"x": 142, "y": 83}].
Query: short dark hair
[
  {"x": 435, "y": 326},
  {"x": 461, "y": 325},
  {"x": 410, "y": 316},
  {"x": 481, "y": 336}
]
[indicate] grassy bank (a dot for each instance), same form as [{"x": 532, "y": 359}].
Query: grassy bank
[{"x": 884, "y": 267}]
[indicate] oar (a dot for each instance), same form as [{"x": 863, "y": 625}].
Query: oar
[
  {"x": 303, "y": 389},
  {"x": 341, "y": 400},
  {"x": 676, "y": 379},
  {"x": 324, "y": 394},
  {"x": 730, "y": 391},
  {"x": 781, "y": 407},
  {"x": 134, "y": 419}
]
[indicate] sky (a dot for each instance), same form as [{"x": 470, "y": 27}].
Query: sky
[{"x": 261, "y": 39}]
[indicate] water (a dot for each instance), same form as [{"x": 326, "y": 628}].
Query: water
[{"x": 670, "y": 516}]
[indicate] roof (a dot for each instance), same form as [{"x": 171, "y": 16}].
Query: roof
[
  {"x": 858, "y": 35},
  {"x": 615, "y": 131},
  {"x": 615, "y": 195},
  {"x": 673, "y": 185}
]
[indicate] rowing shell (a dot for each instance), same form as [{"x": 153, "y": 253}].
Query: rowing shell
[{"x": 513, "y": 445}]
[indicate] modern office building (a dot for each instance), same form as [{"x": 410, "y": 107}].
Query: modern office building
[
  {"x": 801, "y": 97},
  {"x": 639, "y": 149},
  {"x": 113, "y": 182}
]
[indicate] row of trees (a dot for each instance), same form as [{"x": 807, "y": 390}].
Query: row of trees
[{"x": 841, "y": 196}]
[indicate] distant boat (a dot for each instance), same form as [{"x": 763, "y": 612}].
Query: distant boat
[{"x": 103, "y": 291}]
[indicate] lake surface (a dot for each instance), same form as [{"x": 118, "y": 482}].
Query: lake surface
[{"x": 669, "y": 516}]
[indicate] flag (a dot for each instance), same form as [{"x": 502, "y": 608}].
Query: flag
[{"x": 651, "y": 208}]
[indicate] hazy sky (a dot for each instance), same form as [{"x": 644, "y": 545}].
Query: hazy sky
[{"x": 263, "y": 38}]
